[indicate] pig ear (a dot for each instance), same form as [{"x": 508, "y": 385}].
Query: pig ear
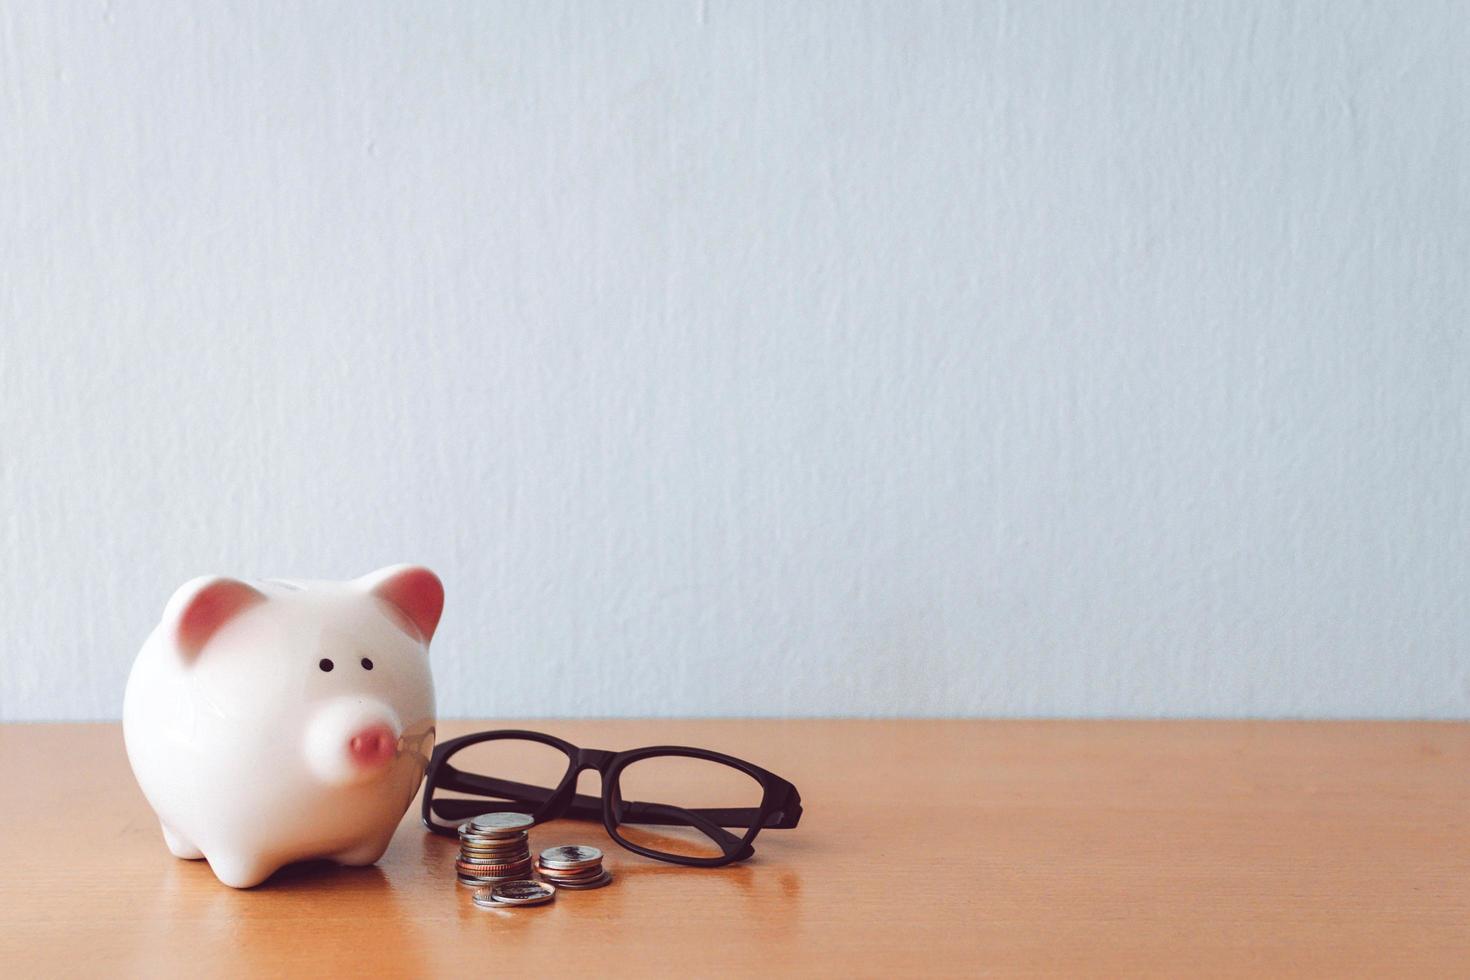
[
  {"x": 199, "y": 608},
  {"x": 413, "y": 591}
]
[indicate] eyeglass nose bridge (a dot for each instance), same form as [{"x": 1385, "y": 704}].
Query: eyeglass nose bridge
[{"x": 599, "y": 759}]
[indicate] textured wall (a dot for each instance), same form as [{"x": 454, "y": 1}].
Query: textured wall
[{"x": 842, "y": 358}]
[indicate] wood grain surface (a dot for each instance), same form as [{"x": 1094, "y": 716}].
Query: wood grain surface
[{"x": 927, "y": 848}]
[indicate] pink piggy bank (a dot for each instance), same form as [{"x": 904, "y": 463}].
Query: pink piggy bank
[{"x": 271, "y": 722}]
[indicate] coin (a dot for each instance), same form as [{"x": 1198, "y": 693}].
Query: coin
[
  {"x": 496, "y": 851},
  {"x": 481, "y": 897},
  {"x": 524, "y": 892},
  {"x": 498, "y": 859},
  {"x": 507, "y": 844},
  {"x": 476, "y": 846},
  {"x": 501, "y": 823},
  {"x": 484, "y": 898},
  {"x": 602, "y": 879},
  {"x": 492, "y": 870},
  {"x": 568, "y": 872},
  {"x": 559, "y": 874},
  {"x": 486, "y": 865},
  {"x": 571, "y": 853},
  {"x": 507, "y": 906},
  {"x": 558, "y": 882},
  {"x": 564, "y": 873},
  {"x": 485, "y": 882},
  {"x": 492, "y": 838},
  {"x": 570, "y": 857},
  {"x": 467, "y": 836},
  {"x": 507, "y": 859},
  {"x": 579, "y": 873}
]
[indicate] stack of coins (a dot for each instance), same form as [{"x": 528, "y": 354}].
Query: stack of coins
[
  {"x": 573, "y": 866},
  {"x": 512, "y": 894},
  {"x": 493, "y": 849}
]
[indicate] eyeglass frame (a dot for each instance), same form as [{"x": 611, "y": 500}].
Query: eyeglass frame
[{"x": 780, "y": 806}]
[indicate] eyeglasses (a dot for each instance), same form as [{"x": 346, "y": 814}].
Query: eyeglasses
[{"x": 699, "y": 793}]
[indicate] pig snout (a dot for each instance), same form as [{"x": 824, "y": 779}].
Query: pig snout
[
  {"x": 373, "y": 746},
  {"x": 352, "y": 740}
]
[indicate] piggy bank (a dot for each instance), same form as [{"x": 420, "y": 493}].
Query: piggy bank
[{"x": 276, "y": 721}]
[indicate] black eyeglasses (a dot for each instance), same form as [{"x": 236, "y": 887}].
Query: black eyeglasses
[{"x": 700, "y": 793}]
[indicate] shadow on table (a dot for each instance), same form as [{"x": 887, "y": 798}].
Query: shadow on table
[{"x": 305, "y": 914}]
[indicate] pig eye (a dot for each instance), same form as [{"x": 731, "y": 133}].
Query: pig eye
[
  {"x": 367, "y": 664},
  {"x": 325, "y": 664}
]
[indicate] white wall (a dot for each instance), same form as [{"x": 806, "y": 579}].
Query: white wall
[{"x": 849, "y": 358}]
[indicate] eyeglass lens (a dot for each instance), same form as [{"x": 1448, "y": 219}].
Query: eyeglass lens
[{"x": 673, "y": 805}]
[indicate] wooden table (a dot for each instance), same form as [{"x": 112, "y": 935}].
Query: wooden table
[{"x": 927, "y": 847}]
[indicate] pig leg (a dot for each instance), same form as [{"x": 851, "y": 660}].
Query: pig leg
[
  {"x": 179, "y": 847},
  {"x": 239, "y": 871},
  {"x": 365, "y": 853}
]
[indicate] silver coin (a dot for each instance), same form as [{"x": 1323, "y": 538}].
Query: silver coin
[
  {"x": 571, "y": 852},
  {"x": 490, "y": 838},
  {"x": 508, "y": 906},
  {"x": 506, "y": 859},
  {"x": 570, "y": 857},
  {"x": 523, "y": 892},
  {"x": 478, "y": 882},
  {"x": 481, "y": 897},
  {"x": 517, "y": 905},
  {"x": 504, "y": 822},
  {"x": 484, "y": 899},
  {"x": 471, "y": 829},
  {"x": 577, "y": 886},
  {"x": 580, "y": 880}
]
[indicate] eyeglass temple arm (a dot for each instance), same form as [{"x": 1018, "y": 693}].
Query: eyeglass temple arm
[{"x": 582, "y": 806}]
